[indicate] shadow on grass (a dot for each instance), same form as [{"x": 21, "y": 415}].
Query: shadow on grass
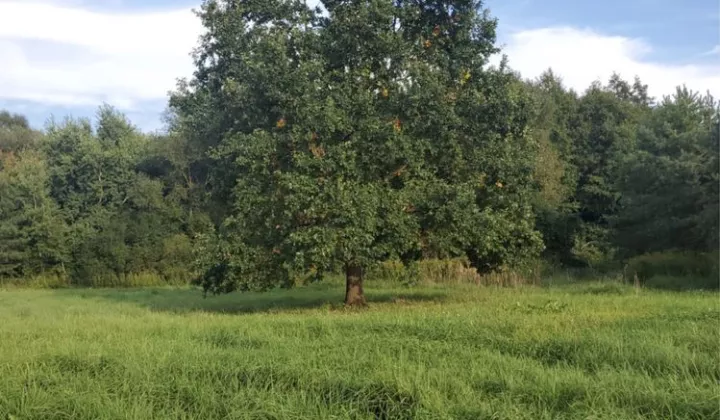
[{"x": 329, "y": 296}]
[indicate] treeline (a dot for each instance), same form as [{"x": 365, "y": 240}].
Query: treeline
[
  {"x": 623, "y": 175},
  {"x": 615, "y": 176},
  {"x": 98, "y": 204},
  {"x": 402, "y": 150}
]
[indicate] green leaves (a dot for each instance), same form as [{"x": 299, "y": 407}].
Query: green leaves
[
  {"x": 310, "y": 141},
  {"x": 670, "y": 185},
  {"x": 101, "y": 204},
  {"x": 31, "y": 239},
  {"x": 357, "y": 136}
]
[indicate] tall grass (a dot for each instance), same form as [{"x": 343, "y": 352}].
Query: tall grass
[
  {"x": 131, "y": 280},
  {"x": 454, "y": 271},
  {"x": 595, "y": 350}
]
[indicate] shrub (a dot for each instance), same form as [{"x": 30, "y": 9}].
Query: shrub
[
  {"x": 433, "y": 271},
  {"x": 682, "y": 283},
  {"x": 452, "y": 271},
  {"x": 392, "y": 271},
  {"x": 444, "y": 271},
  {"x": 40, "y": 281},
  {"x": 699, "y": 268},
  {"x": 132, "y": 280}
]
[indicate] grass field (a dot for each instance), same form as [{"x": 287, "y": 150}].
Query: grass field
[{"x": 599, "y": 351}]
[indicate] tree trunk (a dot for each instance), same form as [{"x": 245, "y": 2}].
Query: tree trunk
[{"x": 354, "y": 295}]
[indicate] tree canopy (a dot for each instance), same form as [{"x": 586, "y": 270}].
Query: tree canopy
[{"x": 369, "y": 132}]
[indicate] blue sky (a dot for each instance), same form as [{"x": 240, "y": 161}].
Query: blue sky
[
  {"x": 680, "y": 31},
  {"x": 63, "y": 57}
]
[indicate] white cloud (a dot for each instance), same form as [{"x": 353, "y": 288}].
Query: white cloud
[
  {"x": 119, "y": 58},
  {"x": 581, "y": 56}
]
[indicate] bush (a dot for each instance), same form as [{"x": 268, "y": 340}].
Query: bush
[
  {"x": 433, "y": 271},
  {"x": 444, "y": 271},
  {"x": 451, "y": 271},
  {"x": 694, "y": 268},
  {"x": 104, "y": 280},
  {"x": 132, "y": 280},
  {"x": 392, "y": 271},
  {"x": 40, "y": 281},
  {"x": 682, "y": 283}
]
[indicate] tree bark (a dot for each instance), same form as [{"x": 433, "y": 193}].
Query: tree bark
[{"x": 354, "y": 295}]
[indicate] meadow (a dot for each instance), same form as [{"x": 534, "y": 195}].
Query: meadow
[{"x": 589, "y": 350}]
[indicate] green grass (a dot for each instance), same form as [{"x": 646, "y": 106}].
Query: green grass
[{"x": 598, "y": 350}]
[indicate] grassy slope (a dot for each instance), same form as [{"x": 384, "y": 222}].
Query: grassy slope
[{"x": 590, "y": 351}]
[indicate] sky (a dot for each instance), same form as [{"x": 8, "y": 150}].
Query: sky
[{"x": 67, "y": 57}]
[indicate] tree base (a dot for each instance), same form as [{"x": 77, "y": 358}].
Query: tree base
[{"x": 354, "y": 295}]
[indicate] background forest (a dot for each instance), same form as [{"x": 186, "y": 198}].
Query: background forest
[{"x": 262, "y": 178}]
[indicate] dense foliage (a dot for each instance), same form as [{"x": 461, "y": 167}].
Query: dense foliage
[
  {"x": 311, "y": 141},
  {"x": 97, "y": 204},
  {"x": 397, "y": 145}
]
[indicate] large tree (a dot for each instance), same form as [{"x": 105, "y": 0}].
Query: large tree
[
  {"x": 670, "y": 185},
  {"x": 369, "y": 131},
  {"x": 555, "y": 108},
  {"x": 119, "y": 198},
  {"x": 604, "y": 131},
  {"x": 31, "y": 232}
]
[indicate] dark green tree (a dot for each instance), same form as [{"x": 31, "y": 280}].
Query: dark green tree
[
  {"x": 32, "y": 233},
  {"x": 125, "y": 214},
  {"x": 372, "y": 131},
  {"x": 555, "y": 174},
  {"x": 604, "y": 132},
  {"x": 670, "y": 184},
  {"x": 16, "y": 134}
]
